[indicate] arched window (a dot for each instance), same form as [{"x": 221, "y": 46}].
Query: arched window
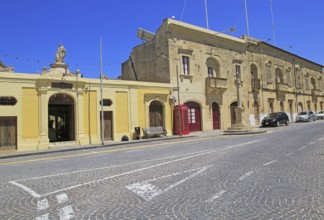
[
  {"x": 213, "y": 68},
  {"x": 288, "y": 75},
  {"x": 279, "y": 76},
  {"x": 313, "y": 82}
]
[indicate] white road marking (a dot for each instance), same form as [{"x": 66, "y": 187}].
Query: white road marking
[
  {"x": 322, "y": 138},
  {"x": 30, "y": 191},
  {"x": 42, "y": 217},
  {"x": 66, "y": 213},
  {"x": 246, "y": 175},
  {"x": 289, "y": 154},
  {"x": 145, "y": 190},
  {"x": 271, "y": 162},
  {"x": 107, "y": 167},
  {"x": 311, "y": 143},
  {"x": 148, "y": 191},
  {"x": 216, "y": 196},
  {"x": 132, "y": 171},
  {"x": 303, "y": 147},
  {"x": 62, "y": 198},
  {"x": 42, "y": 204}
]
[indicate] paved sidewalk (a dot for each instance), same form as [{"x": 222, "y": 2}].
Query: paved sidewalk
[{"x": 72, "y": 147}]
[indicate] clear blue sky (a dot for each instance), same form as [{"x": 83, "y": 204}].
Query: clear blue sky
[{"x": 31, "y": 30}]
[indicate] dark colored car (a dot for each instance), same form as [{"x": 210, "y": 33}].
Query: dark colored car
[{"x": 275, "y": 119}]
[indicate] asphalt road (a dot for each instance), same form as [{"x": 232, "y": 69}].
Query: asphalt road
[{"x": 276, "y": 175}]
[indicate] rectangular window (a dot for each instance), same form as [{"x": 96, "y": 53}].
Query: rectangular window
[
  {"x": 237, "y": 69},
  {"x": 191, "y": 116},
  {"x": 269, "y": 74},
  {"x": 288, "y": 78},
  {"x": 210, "y": 72},
  {"x": 185, "y": 65}
]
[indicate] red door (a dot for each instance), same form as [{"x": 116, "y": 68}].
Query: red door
[
  {"x": 215, "y": 116},
  {"x": 194, "y": 116}
]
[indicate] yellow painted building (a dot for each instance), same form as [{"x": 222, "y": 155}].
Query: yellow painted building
[
  {"x": 58, "y": 107},
  {"x": 205, "y": 64}
]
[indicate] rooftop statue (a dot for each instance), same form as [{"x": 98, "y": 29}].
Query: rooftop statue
[
  {"x": 60, "y": 54},
  {"x": 4, "y": 68}
]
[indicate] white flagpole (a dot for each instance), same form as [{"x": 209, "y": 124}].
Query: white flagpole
[
  {"x": 273, "y": 30},
  {"x": 102, "y": 113},
  {"x": 206, "y": 14},
  {"x": 246, "y": 19}
]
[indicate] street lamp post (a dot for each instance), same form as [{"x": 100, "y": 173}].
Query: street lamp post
[{"x": 179, "y": 108}]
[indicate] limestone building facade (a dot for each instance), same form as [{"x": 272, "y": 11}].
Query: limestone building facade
[
  {"x": 202, "y": 65},
  {"x": 58, "y": 107}
]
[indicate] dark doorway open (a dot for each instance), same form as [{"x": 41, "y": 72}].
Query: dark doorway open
[
  {"x": 232, "y": 109},
  {"x": 61, "y": 118},
  {"x": 156, "y": 115}
]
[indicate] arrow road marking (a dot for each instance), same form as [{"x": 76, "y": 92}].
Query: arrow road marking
[
  {"x": 216, "y": 196},
  {"x": 188, "y": 156},
  {"x": 148, "y": 191},
  {"x": 271, "y": 162},
  {"x": 246, "y": 175}
]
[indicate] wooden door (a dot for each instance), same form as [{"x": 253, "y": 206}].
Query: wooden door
[
  {"x": 216, "y": 124},
  {"x": 194, "y": 119},
  {"x": 8, "y": 132},
  {"x": 108, "y": 125}
]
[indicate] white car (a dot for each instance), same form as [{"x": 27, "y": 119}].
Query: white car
[
  {"x": 305, "y": 116},
  {"x": 320, "y": 115}
]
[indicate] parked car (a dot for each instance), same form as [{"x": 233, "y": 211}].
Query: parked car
[
  {"x": 320, "y": 115},
  {"x": 305, "y": 116},
  {"x": 275, "y": 119}
]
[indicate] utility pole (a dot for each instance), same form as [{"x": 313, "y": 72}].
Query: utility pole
[
  {"x": 179, "y": 108},
  {"x": 246, "y": 19},
  {"x": 273, "y": 30},
  {"x": 206, "y": 14},
  {"x": 101, "y": 102}
]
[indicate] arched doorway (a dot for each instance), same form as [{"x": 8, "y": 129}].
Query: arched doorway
[
  {"x": 216, "y": 116},
  {"x": 61, "y": 118},
  {"x": 194, "y": 116},
  {"x": 156, "y": 115},
  {"x": 256, "y": 113},
  {"x": 232, "y": 110},
  {"x": 300, "y": 107}
]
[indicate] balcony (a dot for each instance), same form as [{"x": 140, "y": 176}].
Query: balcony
[
  {"x": 216, "y": 84},
  {"x": 316, "y": 92},
  {"x": 282, "y": 87},
  {"x": 256, "y": 85}
]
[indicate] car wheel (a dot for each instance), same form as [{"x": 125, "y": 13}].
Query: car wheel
[
  {"x": 287, "y": 123},
  {"x": 277, "y": 124}
]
